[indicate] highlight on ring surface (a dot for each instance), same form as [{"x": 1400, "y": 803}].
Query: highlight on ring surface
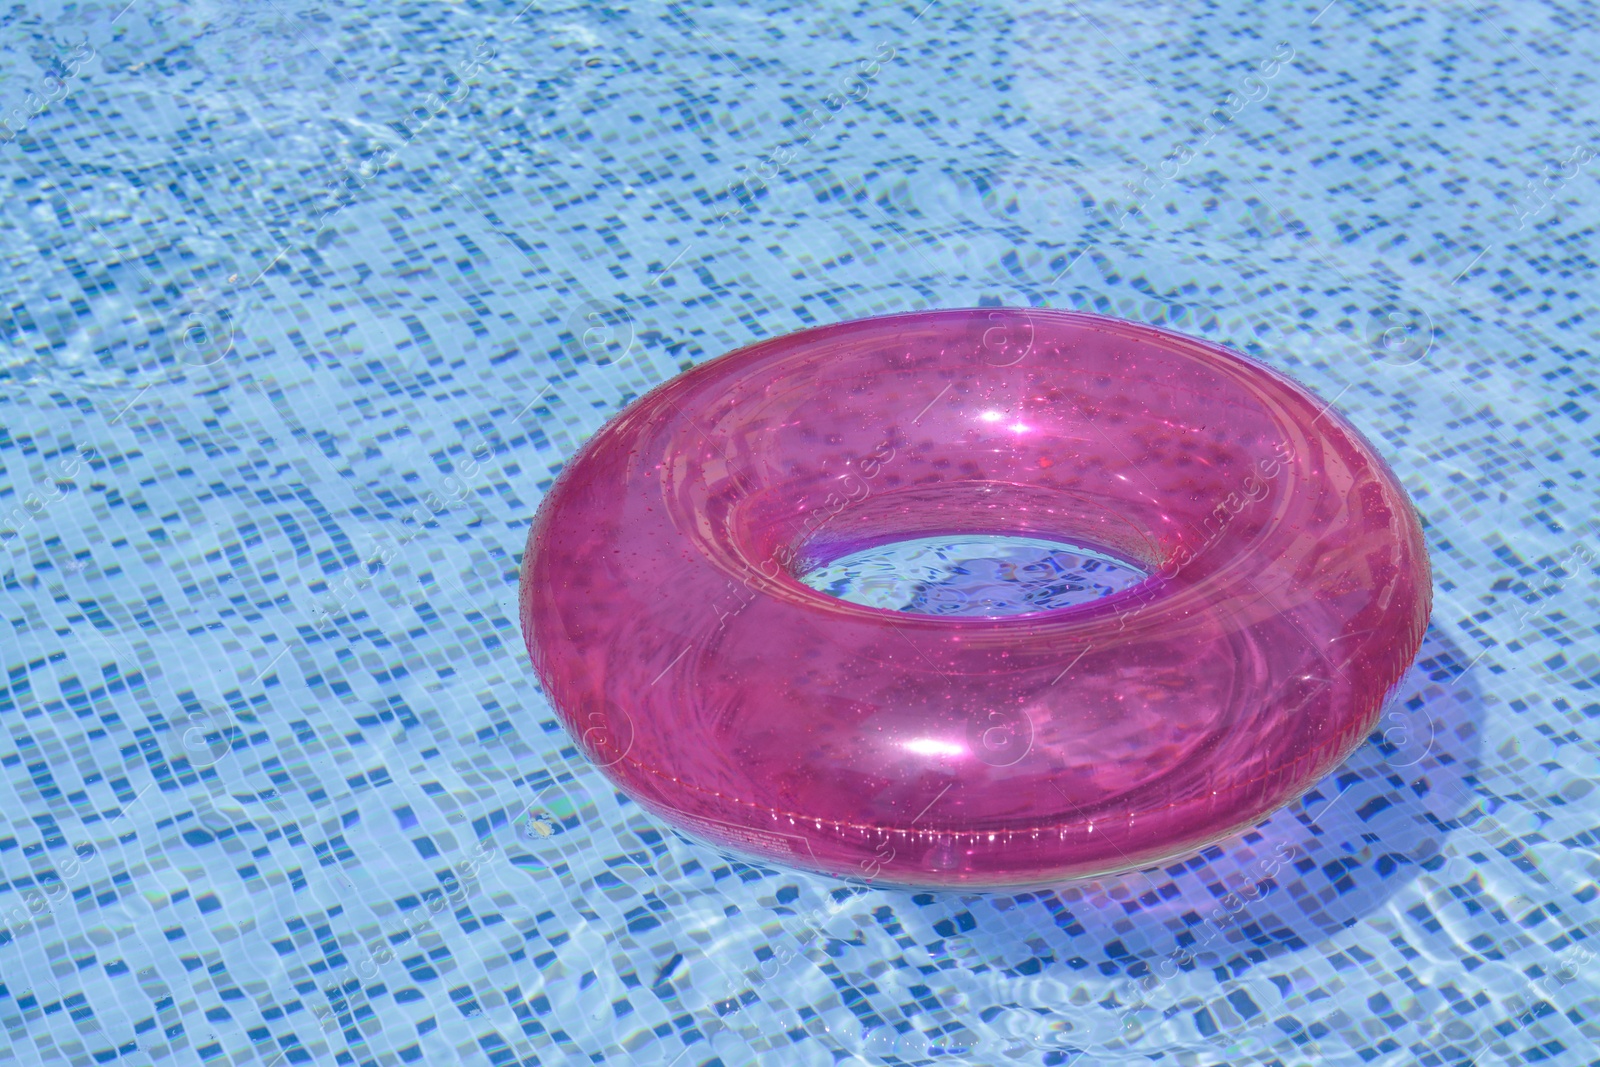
[{"x": 1283, "y": 589}]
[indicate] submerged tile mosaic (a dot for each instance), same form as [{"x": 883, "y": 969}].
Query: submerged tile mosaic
[{"x": 303, "y": 305}]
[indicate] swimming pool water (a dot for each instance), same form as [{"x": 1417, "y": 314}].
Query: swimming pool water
[
  {"x": 974, "y": 576},
  {"x": 302, "y": 307}
]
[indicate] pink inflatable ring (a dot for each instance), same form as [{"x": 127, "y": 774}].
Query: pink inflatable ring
[{"x": 1287, "y": 591}]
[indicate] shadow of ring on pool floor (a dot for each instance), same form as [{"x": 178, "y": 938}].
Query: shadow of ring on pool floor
[
  {"x": 1149, "y": 939},
  {"x": 1337, "y": 854},
  {"x": 1092, "y": 965}
]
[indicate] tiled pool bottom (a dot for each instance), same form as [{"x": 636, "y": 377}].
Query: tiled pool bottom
[
  {"x": 1207, "y": 955},
  {"x": 287, "y": 363}
]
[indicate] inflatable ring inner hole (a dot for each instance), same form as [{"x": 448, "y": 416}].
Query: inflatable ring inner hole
[
  {"x": 974, "y": 575},
  {"x": 1142, "y": 530}
]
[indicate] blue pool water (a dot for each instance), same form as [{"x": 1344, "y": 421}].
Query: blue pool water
[
  {"x": 974, "y": 576},
  {"x": 302, "y": 306}
]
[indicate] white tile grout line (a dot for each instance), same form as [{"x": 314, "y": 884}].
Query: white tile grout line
[
  {"x": 535, "y": 400},
  {"x": 131, "y": 803},
  {"x": 1335, "y": 800},
  {"x": 1057, "y": 279},
  {"x": 273, "y": 664},
  {"x": 1474, "y": 263},
  {"x": 1101, "y": 31},
  {"x": 1512, "y": 44},
  {"x": 662, "y": 273},
  {"x": 130, "y": 404},
  {"x": 301, "y": 34}
]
